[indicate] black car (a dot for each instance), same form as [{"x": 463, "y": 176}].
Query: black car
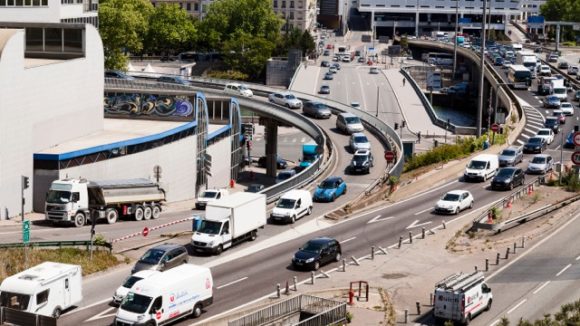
[
  {"x": 280, "y": 163},
  {"x": 324, "y": 89},
  {"x": 362, "y": 162},
  {"x": 255, "y": 187},
  {"x": 552, "y": 123},
  {"x": 317, "y": 252},
  {"x": 325, "y": 64},
  {"x": 508, "y": 178},
  {"x": 535, "y": 145},
  {"x": 118, "y": 75}
]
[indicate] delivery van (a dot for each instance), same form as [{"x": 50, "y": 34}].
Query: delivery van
[
  {"x": 163, "y": 298},
  {"x": 46, "y": 289},
  {"x": 481, "y": 167},
  {"x": 460, "y": 297},
  {"x": 292, "y": 205}
]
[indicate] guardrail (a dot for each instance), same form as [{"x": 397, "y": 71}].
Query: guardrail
[
  {"x": 59, "y": 244},
  {"x": 23, "y": 318}
]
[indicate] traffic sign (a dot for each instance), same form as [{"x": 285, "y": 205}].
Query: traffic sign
[
  {"x": 495, "y": 127},
  {"x": 576, "y": 158},
  {"x": 577, "y": 138},
  {"x": 26, "y": 231},
  {"x": 389, "y": 156},
  {"x": 145, "y": 231}
]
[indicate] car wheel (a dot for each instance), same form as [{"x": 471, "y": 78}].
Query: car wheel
[
  {"x": 316, "y": 265},
  {"x": 79, "y": 220},
  {"x": 253, "y": 235},
  {"x": 333, "y": 197},
  {"x": 293, "y": 219},
  {"x": 337, "y": 257},
  {"x": 139, "y": 213},
  {"x": 511, "y": 185},
  {"x": 196, "y": 311},
  {"x": 156, "y": 212},
  {"x": 56, "y": 313},
  {"x": 147, "y": 213},
  {"x": 471, "y": 205},
  {"x": 219, "y": 250},
  {"x": 309, "y": 211},
  {"x": 456, "y": 211},
  {"x": 488, "y": 307},
  {"x": 112, "y": 215}
]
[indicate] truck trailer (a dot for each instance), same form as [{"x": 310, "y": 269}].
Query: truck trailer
[
  {"x": 228, "y": 221},
  {"x": 77, "y": 201}
]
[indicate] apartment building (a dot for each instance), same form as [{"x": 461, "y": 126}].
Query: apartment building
[
  {"x": 193, "y": 7},
  {"x": 50, "y": 11},
  {"x": 299, "y": 14},
  {"x": 530, "y": 8}
]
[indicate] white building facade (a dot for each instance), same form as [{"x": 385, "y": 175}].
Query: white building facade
[
  {"x": 299, "y": 14},
  {"x": 50, "y": 11}
]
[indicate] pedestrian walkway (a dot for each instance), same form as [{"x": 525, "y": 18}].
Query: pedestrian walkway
[
  {"x": 306, "y": 77},
  {"x": 516, "y": 35},
  {"x": 534, "y": 121},
  {"x": 412, "y": 108}
]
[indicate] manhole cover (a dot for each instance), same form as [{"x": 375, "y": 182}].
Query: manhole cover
[{"x": 394, "y": 276}]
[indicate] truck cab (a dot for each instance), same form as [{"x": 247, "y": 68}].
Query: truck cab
[
  {"x": 309, "y": 154},
  {"x": 209, "y": 195},
  {"x": 67, "y": 200}
]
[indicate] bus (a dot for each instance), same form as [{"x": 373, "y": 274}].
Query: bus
[
  {"x": 439, "y": 59},
  {"x": 519, "y": 77}
]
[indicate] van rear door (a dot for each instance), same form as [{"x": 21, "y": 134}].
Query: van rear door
[{"x": 447, "y": 305}]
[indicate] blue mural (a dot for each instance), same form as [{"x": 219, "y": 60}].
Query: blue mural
[{"x": 148, "y": 105}]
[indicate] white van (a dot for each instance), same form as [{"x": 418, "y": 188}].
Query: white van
[
  {"x": 208, "y": 196},
  {"x": 292, "y": 205},
  {"x": 481, "y": 167},
  {"x": 168, "y": 296},
  {"x": 122, "y": 291},
  {"x": 46, "y": 289},
  {"x": 238, "y": 89},
  {"x": 460, "y": 297}
]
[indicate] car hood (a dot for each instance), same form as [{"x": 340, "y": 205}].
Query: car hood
[
  {"x": 532, "y": 145},
  {"x": 508, "y": 158},
  {"x": 474, "y": 171},
  {"x": 537, "y": 166},
  {"x": 121, "y": 292},
  {"x": 446, "y": 204},
  {"x": 203, "y": 237},
  {"x": 362, "y": 145},
  {"x": 282, "y": 211},
  {"x": 319, "y": 192},
  {"x": 301, "y": 254},
  {"x": 124, "y": 315},
  {"x": 359, "y": 163},
  {"x": 294, "y": 102},
  {"x": 502, "y": 179},
  {"x": 355, "y": 126}
]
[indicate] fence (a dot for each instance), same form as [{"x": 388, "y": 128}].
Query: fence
[
  {"x": 59, "y": 244},
  {"x": 22, "y": 318},
  {"x": 324, "y": 311}
]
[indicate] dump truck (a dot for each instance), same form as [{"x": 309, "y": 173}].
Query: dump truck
[
  {"x": 77, "y": 201},
  {"x": 309, "y": 154}
]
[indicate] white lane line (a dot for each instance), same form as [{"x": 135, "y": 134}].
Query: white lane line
[
  {"x": 423, "y": 211},
  {"x": 232, "y": 283},
  {"x": 541, "y": 287},
  {"x": 517, "y": 306},
  {"x": 347, "y": 240},
  {"x": 563, "y": 270},
  {"x": 303, "y": 140},
  {"x": 578, "y": 258},
  {"x": 91, "y": 305},
  {"x": 495, "y": 323},
  {"x": 102, "y": 315}
]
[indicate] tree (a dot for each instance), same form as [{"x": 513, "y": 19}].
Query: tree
[
  {"x": 307, "y": 43},
  {"x": 242, "y": 29},
  {"x": 123, "y": 26},
  {"x": 170, "y": 29}
]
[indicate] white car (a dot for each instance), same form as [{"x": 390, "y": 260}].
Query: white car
[
  {"x": 122, "y": 291},
  {"x": 359, "y": 141},
  {"x": 545, "y": 70},
  {"x": 286, "y": 99},
  {"x": 238, "y": 89},
  {"x": 454, "y": 202},
  {"x": 573, "y": 70},
  {"x": 547, "y": 134},
  {"x": 567, "y": 108}
]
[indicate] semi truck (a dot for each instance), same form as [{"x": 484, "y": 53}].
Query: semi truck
[
  {"x": 228, "y": 221},
  {"x": 77, "y": 201},
  {"x": 309, "y": 154}
]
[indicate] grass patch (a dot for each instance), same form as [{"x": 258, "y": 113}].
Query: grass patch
[
  {"x": 13, "y": 259},
  {"x": 445, "y": 152}
]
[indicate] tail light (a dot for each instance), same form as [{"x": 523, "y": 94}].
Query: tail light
[
  {"x": 462, "y": 304},
  {"x": 124, "y": 209}
]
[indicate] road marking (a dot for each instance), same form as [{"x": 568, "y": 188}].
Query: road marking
[
  {"x": 347, "y": 240},
  {"x": 495, "y": 323},
  {"x": 533, "y": 247},
  {"x": 102, "y": 315},
  {"x": 379, "y": 219},
  {"x": 541, "y": 287},
  {"x": 294, "y": 140},
  {"x": 563, "y": 270},
  {"x": 414, "y": 224},
  {"x": 578, "y": 258},
  {"x": 517, "y": 306},
  {"x": 232, "y": 283},
  {"x": 303, "y": 140},
  {"x": 91, "y": 305},
  {"x": 423, "y": 211}
]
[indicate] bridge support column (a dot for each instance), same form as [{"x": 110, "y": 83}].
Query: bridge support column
[
  {"x": 417, "y": 24},
  {"x": 271, "y": 146}
]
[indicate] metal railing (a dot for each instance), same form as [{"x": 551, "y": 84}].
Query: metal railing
[
  {"x": 325, "y": 311},
  {"x": 23, "y": 318},
  {"x": 59, "y": 244}
]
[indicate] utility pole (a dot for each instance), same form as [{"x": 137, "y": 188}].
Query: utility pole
[
  {"x": 455, "y": 43},
  {"x": 482, "y": 76},
  {"x": 377, "y": 114}
]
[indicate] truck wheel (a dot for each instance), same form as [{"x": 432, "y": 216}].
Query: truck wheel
[
  {"x": 79, "y": 220},
  {"x": 155, "y": 212},
  {"x": 309, "y": 212},
  {"x": 56, "y": 313},
  {"x": 488, "y": 307},
  {"x": 147, "y": 212},
  {"x": 219, "y": 250},
  {"x": 112, "y": 215},
  {"x": 293, "y": 219},
  {"x": 253, "y": 235},
  {"x": 196, "y": 311},
  {"x": 139, "y": 213}
]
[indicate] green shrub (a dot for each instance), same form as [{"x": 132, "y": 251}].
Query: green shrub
[
  {"x": 569, "y": 43},
  {"x": 445, "y": 152},
  {"x": 228, "y": 74}
]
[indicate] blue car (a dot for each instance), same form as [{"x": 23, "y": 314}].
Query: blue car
[
  {"x": 570, "y": 140},
  {"x": 330, "y": 189}
]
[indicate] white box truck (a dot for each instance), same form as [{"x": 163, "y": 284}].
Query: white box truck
[
  {"x": 46, "y": 289},
  {"x": 228, "y": 221},
  {"x": 558, "y": 89},
  {"x": 528, "y": 60},
  {"x": 78, "y": 200},
  {"x": 166, "y": 297},
  {"x": 460, "y": 297}
]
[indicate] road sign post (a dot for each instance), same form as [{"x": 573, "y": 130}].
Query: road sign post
[
  {"x": 145, "y": 231},
  {"x": 576, "y": 158},
  {"x": 495, "y": 129},
  {"x": 25, "y": 239},
  {"x": 577, "y": 138},
  {"x": 389, "y": 156}
]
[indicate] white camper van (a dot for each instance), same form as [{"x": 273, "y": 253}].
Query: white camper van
[
  {"x": 460, "y": 297},
  {"x": 292, "y": 205},
  {"x": 46, "y": 289},
  {"x": 481, "y": 167},
  {"x": 168, "y": 296}
]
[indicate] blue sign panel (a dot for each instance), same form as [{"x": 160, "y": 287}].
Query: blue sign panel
[
  {"x": 464, "y": 21},
  {"x": 536, "y": 22}
]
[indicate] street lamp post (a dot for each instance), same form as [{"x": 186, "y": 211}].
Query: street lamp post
[
  {"x": 482, "y": 75},
  {"x": 456, "y": 31}
]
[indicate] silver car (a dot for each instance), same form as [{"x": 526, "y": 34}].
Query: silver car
[
  {"x": 161, "y": 257},
  {"x": 359, "y": 141},
  {"x": 317, "y": 110},
  {"x": 511, "y": 156},
  {"x": 286, "y": 99},
  {"x": 349, "y": 123},
  {"x": 540, "y": 164}
]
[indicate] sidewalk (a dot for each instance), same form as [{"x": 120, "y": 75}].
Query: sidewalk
[{"x": 306, "y": 78}]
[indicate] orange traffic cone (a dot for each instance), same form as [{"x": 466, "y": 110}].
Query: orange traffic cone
[
  {"x": 489, "y": 218},
  {"x": 509, "y": 203}
]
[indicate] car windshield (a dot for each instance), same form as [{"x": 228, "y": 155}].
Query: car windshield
[
  {"x": 565, "y": 105},
  {"x": 58, "y": 197},
  {"x": 311, "y": 246},
  {"x": 359, "y": 158},
  {"x": 544, "y": 132},
  {"x": 350, "y": 120},
  {"x": 254, "y": 188},
  {"x": 559, "y": 91},
  {"x": 130, "y": 281},
  {"x": 209, "y": 227},
  {"x": 286, "y": 203},
  {"x": 152, "y": 256},
  {"x": 15, "y": 301},
  {"x": 361, "y": 139},
  {"x": 539, "y": 160},
  {"x": 451, "y": 197},
  {"x": 209, "y": 194},
  {"x": 326, "y": 184},
  {"x": 508, "y": 152},
  {"x": 551, "y": 121},
  {"x": 136, "y": 303},
  {"x": 290, "y": 97},
  {"x": 319, "y": 106},
  {"x": 535, "y": 140},
  {"x": 243, "y": 87},
  {"x": 505, "y": 173},
  {"x": 477, "y": 165},
  {"x": 284, "y": 175}
]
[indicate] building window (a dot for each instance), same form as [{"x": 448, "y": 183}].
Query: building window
[
  {"x": 275, "y": 3},
  {"x": 188, "y": 6},
  {"x": 195, "y": 7},
  {"x": 291, "y": 15},
  {"x": 283, "y": 4},
  {"x": 291, "y": 4}
]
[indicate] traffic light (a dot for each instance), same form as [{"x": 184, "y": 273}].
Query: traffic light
[
  {"x": 396, "y": 125},
  {"x": 25, "y": 182},
  {"x": 576, "y": 128},
  {"x": 248, "y": 130},
  {"x": 207, "y": 164}
]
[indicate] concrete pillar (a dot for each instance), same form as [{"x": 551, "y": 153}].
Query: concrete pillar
[
  {"x": 461, "y": 27},
  {"x": 417, "y": 23},
  {"x": 271, "y": 147}
]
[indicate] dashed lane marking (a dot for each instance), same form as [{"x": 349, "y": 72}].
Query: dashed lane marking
[
  {"x": 423, "y": 211},
  {"x": 347, "y": 240},
  {"x": 232, "y": 283},
  {"x": 517, "y": 306},
  {"x": 541, "y": 287},
  {"x": 563, "y": 270}
]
